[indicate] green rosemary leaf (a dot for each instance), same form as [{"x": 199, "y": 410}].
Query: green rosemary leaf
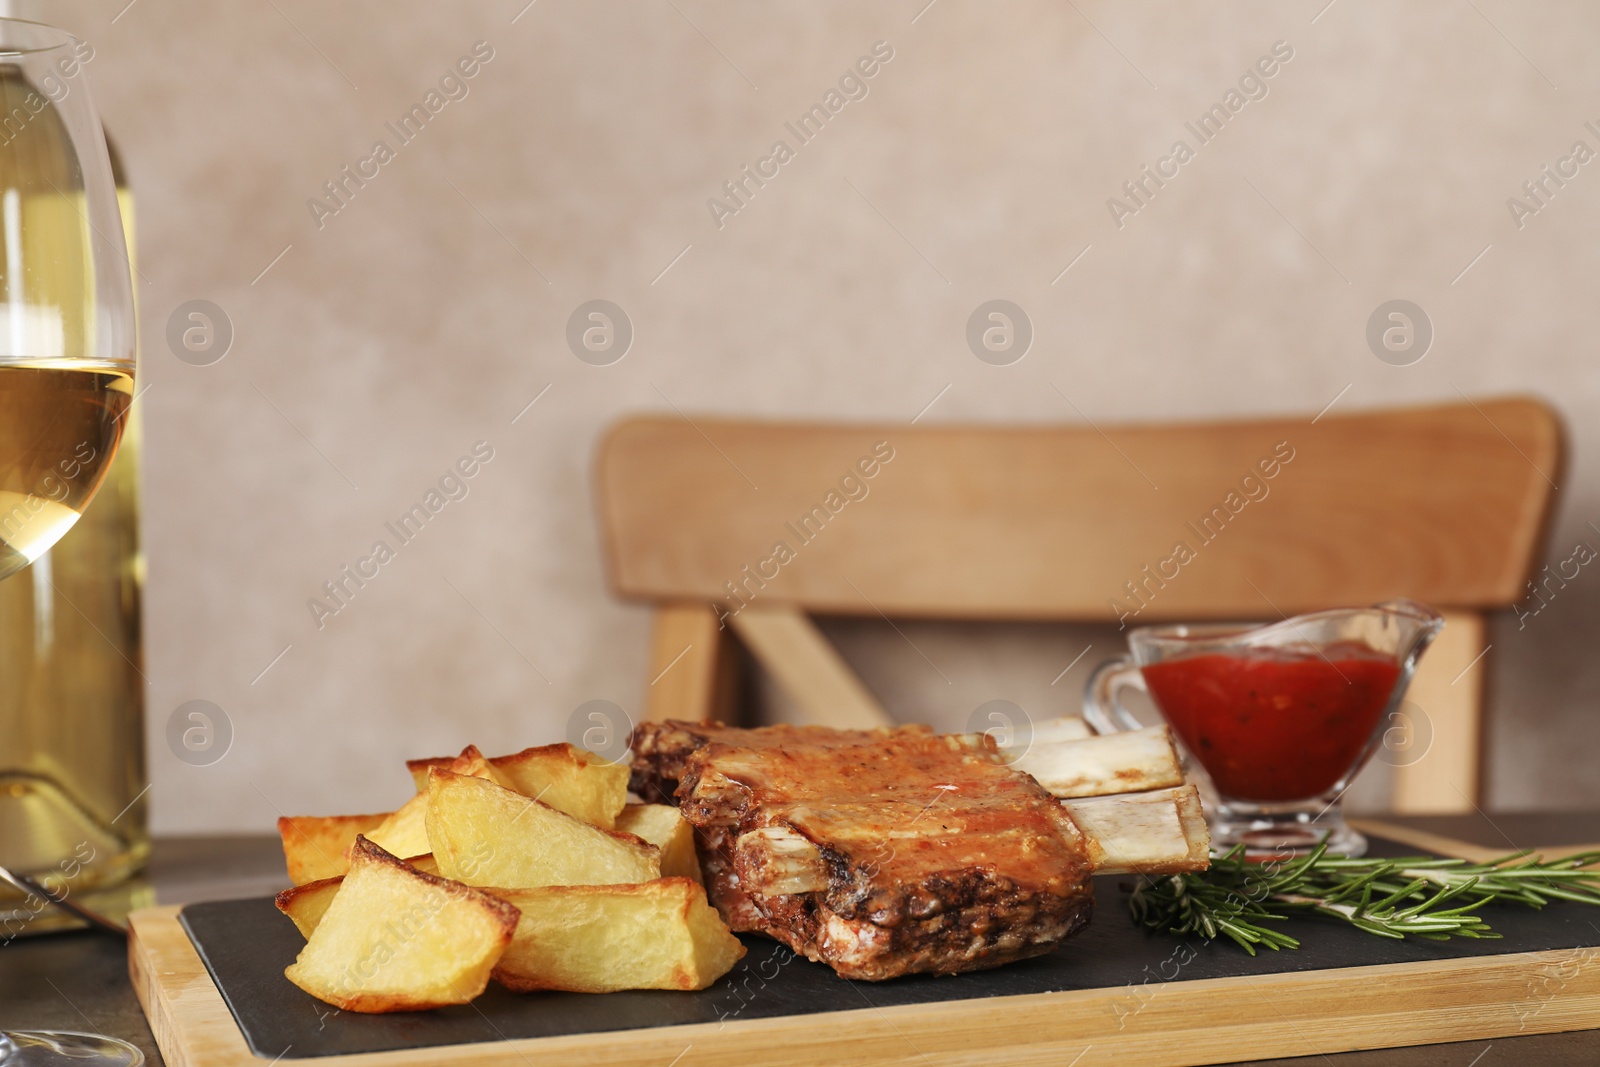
[{"x": 1427, "y": 897}]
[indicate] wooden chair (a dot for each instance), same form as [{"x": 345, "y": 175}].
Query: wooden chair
[{"x": 737, "y": 527}]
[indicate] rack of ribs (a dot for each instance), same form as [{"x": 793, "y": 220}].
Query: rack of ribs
[{"x": 900, "y": 851}]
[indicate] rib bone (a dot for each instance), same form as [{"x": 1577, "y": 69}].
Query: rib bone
[
  {"x": 1066, "y": 728},
  {"x": 1159, "y": 832},
  {"x": 777, "y": 860},
  {"x": 1110, "y": 763},
  {"x": 1162, "y": 832}
]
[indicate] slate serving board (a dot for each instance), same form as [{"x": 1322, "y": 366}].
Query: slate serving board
[{"x": 245, "y": 945}]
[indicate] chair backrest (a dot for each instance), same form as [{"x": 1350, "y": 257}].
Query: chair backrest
[
  {"x": 1249, "y": 519},
  {"x": 1444, "y": 504}
]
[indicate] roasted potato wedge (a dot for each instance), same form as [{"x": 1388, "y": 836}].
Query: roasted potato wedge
[
  {"x": 568, "y": 779},
  {"x": 405, "y": 833},
  {"x": 314, "y": 846},
  {"x": 664, "y": 827},
  {"x": 602, "y": 938},
  {"x": 488, "y": 836},
  {"x": 306, "y": 904},
  {"x": 395, "y": 939},
  {"x": 563, "y": 776},
  {"x": 471, "y": 761}
]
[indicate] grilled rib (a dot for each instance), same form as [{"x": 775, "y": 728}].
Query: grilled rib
[
  {"x": 890, "y": 855},
  {"x": 891, "y": 852}
]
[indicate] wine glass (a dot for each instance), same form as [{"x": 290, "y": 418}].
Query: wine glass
[
  {"x": 66, "y": 348},
  {"x": 66, "y": 301}
]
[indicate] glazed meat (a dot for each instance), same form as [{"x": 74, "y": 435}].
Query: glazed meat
[
  {"x": 660, "y": 749},
  {"x": 880, "y": 853}
]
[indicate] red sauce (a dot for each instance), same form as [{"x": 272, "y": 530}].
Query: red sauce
[{"x": 1274, "y": 724}]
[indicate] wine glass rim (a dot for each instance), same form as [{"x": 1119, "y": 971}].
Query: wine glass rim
[
  {"x": 120, "y": 365},
  {"x": 57, "y": 38}
]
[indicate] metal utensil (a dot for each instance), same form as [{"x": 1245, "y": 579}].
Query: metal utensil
[{"x": 60, "y": 900}]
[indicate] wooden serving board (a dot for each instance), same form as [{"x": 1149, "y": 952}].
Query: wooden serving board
[{"x": 211, "y": 982}]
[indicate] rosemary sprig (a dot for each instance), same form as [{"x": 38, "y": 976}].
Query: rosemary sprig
[{"x": 1414, "y": 896}]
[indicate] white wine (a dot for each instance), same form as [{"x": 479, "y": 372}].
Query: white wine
[
  {"x": 72, "y": 763},
  {"x": 59, "y": 428}
]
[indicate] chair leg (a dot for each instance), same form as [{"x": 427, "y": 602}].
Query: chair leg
[
  {"x": 1448, "y": 691},
  {"x": 826, "y": 692},
  {"x": 694, "y": 666}
]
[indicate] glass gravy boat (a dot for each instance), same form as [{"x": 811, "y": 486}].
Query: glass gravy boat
[{"x": 1281, "y": 717}]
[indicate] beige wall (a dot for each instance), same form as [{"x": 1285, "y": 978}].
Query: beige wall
[{"x": 424, "y": 315}]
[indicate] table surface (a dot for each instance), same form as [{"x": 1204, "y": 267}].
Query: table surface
[{"x": 79, "y": 981}]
